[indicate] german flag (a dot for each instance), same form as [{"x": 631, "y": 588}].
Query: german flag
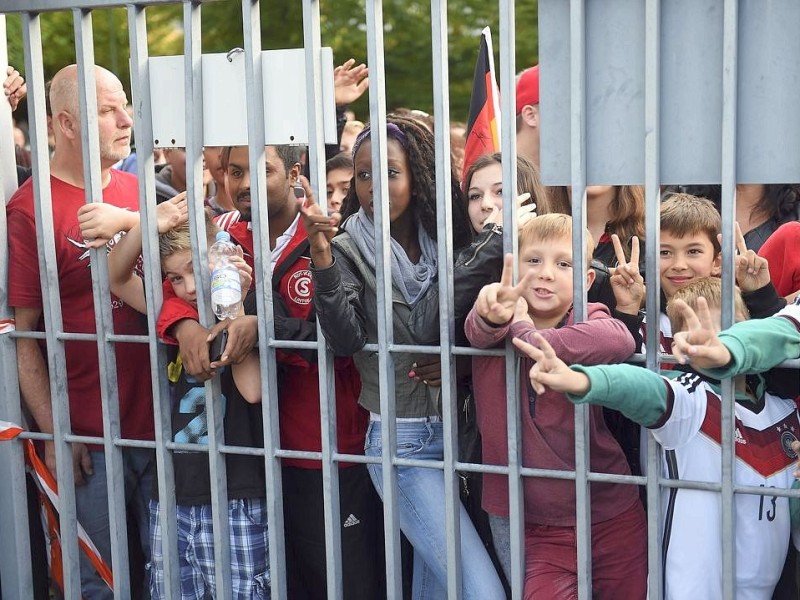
[{"x": 483, "y": 125}]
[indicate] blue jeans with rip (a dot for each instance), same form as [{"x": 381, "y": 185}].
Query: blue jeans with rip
[{"x": 421, "y": 502}]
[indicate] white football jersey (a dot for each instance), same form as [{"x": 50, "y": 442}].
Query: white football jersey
[{"x": 691, "y": 524}]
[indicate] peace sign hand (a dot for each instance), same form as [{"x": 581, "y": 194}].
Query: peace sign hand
[
  {"x": 497, "y": 302},
  {"x": 549, "y": 371},
  {"x": 752, "y": 270},
  {"x": 698, "y": 342},
  {"x": 626, "y": 280}
]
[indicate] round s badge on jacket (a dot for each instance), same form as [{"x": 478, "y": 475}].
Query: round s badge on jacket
[{"x": 300, "y": 287}]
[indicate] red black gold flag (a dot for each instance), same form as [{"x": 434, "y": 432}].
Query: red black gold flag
[{"x": 483, "y": 125}]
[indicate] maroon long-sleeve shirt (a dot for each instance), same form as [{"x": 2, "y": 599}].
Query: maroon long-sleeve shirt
[{"x": 548, "y": 438}]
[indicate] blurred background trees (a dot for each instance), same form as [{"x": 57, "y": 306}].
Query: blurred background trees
[{"x": 407, "y": 40}]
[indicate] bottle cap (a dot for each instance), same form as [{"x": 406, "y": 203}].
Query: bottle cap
[{"x": 223, "y": 236}]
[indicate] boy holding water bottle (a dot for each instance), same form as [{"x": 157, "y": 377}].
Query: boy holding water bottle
[{"x": 241, "y": 396}]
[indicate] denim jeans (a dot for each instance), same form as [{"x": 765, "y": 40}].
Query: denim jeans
[
  {"x": 91, "y": 502},
  {"x": 421, "y": 501},
  {"x": 501, "y": 538}
]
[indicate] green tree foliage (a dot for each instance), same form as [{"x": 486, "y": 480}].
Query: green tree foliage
[{"x": 407, "y": 40}]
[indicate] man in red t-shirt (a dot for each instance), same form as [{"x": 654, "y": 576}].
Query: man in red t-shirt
[{"x": 77, "y": 310}]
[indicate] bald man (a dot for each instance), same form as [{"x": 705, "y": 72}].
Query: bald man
[{"x": 77, "y": 308}]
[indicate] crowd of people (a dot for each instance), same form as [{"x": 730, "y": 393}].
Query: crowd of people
[{"x": 324, "y": 271}]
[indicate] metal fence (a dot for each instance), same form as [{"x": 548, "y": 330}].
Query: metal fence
[{"x": 628, "y": 120}]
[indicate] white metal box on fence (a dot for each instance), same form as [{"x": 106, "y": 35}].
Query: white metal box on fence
[{"x": 225, "y": 101}]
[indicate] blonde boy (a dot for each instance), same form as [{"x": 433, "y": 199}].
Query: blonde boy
[
  {"x": 542, "y": 302},
  {"x": 240, "y": 386}
]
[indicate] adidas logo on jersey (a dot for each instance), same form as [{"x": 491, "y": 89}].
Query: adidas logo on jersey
[
  {"x": 739, "y": 438},
  {"x": 351, "y": 520}
]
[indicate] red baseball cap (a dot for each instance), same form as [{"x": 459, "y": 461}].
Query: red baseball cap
[{"x": 528, "y": 88}]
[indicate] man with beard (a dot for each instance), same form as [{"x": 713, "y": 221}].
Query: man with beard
[
  {"x": 75, "y": 285},
  {"x": 300, "y": 428}
]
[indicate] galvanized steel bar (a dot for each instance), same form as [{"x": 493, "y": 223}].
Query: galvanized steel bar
[
  {"x": 508, "y": 140},
  {"x": 193, "y": 84},
  {"x": 577, "y": 53},
  {"x": 444, "y": 228},
  {"x": 162, "y": 414},
  {"x": 109, "y": 391},
  {"x": 51, "y": 303},
  {"x": 8, "y": 174},
  {"x": 383, "y": 275},
  {"x": 327, "y": 398},
  {"x": 14, "y": 555},
  {"x": 649, "y": 245},
  {"x": 730, "y": 43},
  {"x": 251, "y": 21}
]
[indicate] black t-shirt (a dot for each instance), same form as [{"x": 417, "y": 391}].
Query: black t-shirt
[{"x": 242, "y": 426}]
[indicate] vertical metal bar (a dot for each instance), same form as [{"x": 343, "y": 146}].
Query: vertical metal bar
[
  {"x": 327, "y": 388},
  {"x": 8, "y": 174},
  {"x": 730, "y": 42},
  {"x": 15, "y": 561},
  {"x": 93, "y": 187},
  {"x": 383, "y": 271},
  {"x": 444, "y": 209},
  {"x": 143, "y": 126},
  {"x": 510, "y": 244},
  {"x": 51, "y": 304},
  {"x": 251, "y": 21},
  {"x": 578, "y": 168},
  {"x": 652, "y": 150},
  {"x": 193, "y": 78}
]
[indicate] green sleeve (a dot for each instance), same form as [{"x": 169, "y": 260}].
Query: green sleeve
[
  {"x": 637, "y": 393},
  {"x": 758, "y": 345}
]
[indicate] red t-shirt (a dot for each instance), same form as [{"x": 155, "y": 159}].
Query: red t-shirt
[{"x": 77, "y": 307}]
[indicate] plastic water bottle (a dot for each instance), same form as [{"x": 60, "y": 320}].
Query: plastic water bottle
[{"x": 226, "y": 287}]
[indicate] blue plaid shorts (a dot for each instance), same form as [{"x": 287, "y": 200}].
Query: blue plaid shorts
[{"x": 247, "y": 523}]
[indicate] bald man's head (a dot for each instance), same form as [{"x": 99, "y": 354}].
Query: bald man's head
[
  {"x": 64, "y": 94},
  {"x": 64, "y": 91},
  {"x": 114, "y": 123}
]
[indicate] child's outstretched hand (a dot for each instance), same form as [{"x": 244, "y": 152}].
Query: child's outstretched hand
[
  {"x": 626, "y": 280},
  {"x": 752, "y": 270},
  {"x": 497, "y": 302},
  {"x": 172, "y": 213},
  {"x": 320, "y": 228},
  {"x": 699, "y": 344},
  {"x": 245, "y": 270},
  {"x": 549, "y": 371},
  {"x": 100, "y": 222}
]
